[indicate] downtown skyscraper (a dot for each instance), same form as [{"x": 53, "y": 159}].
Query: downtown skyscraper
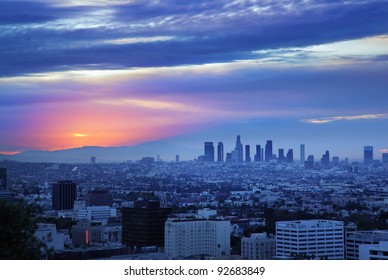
[
  {"x": 268, "y": 150},
  {"x": 302, "y": 153},
  {"x": 248, "y": 153},
  {"x": 209, "y": 151},
  {"x": 368, "y": 155},
  {"x": 220, "y": 152},
  {"x": 259, "y": 153},
  {"x": 239, "y": 149}
]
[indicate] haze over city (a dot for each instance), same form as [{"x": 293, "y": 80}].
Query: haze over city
[{"x": 122, "y": 73}]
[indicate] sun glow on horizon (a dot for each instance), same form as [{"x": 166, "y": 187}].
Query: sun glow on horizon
[{"x": 80, "y": 135}]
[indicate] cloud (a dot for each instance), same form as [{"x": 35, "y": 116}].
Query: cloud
[
  {"x": 50, "y": 38},
  {"x": 346, "y": 118}
]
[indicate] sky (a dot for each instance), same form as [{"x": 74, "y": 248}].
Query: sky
[{"x": 124, "y": 72}]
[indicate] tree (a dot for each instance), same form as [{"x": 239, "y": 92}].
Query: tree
[{"x": 17, "y": 228}]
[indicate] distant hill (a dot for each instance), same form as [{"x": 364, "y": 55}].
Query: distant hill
[{"x": 106, "y": 154}]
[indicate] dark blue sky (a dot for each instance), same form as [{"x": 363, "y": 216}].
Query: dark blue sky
[{"x": 122, "y": 72}]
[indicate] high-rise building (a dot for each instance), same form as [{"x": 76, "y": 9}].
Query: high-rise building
[
  {"x": 385, "y": 158},
  {"x": 290, "y": 156},
  {"x": 234, "y": 156},
  {"x": 248, "y": 153},
  {"x": 368, "y": 155},
  {"x": 268, "y": 150},
  {"x": 220, "y": 152},
  {"x": 302, "y": 153},
  {"x": 354, "y": 239},
  {"x": 374, "y": 252},
  {"x": 259, "y": 246},
  {"x": 193, "y": 236},
  {"x": 315, "y": 239},
  {"x": 325, "y": 160},
  {"x": 259, "y": 154},
  {"x": 3, "y": 178},
  {"x": 177, "y": 158},
  {"x": 281, "y": 157},
  {"x": 143, "y": 224},
  {"x": 93, "y": 160},
  {"x": 209, "y": 151},
  {"x": 335, "y": 161},
  {"x": 309, "y": 163},
  {"x": 64, "y": 193},
  {"x": 239, "y": 149}
]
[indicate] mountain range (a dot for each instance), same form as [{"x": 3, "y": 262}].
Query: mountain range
[{"x": 166, "y": 151}]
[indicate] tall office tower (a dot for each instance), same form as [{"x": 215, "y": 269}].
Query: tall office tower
[
  {"x": 143, "y": 224},
  {"x": 98, "y": 198},
  {"x": 354, "y": 239},
  {"x": 281, "y": 157},
  {"x": 302, "y": 153},
  {"x": 335, "y": 161},
  {"x": 368, "y": 155},
  {"x": 64, "y": 193},
  {"x": 259, "y": 246},
  {"x": 177, "y": 158},
  {"x": 209, "y": 151},
  {"x": 309, "y": 163},
  {"x": 385, "y": 158},
  {"x": 248, "y": 153},
  {"x": 290, "y": 156},
  {"x": 220, "y": 152},
  {"x": 186, "y": 237},
  {"x": 325, "y": 160},
  {"x": 268, "y": 150},
  {"x": 93, "y": 160},
  {"x": 258, "y": 155},
  {"x": 234, "y": 156},
  {"x": 317, "y": 239},
  {"x": 239, "y": 149},
  {"x": 3, "y": 179}
]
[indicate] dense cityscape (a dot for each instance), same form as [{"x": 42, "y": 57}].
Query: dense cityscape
[{"x": 233, "y": 205}]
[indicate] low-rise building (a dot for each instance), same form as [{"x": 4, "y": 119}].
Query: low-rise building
[{"x": 259, "y": 246}]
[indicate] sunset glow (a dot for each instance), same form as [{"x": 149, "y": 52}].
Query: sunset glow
[{"x": 116, "y": 73}]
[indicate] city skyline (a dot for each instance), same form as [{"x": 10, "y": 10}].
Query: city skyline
[
  {"x": 121, "y": 73},
  {"x": 210, "y": 152}
]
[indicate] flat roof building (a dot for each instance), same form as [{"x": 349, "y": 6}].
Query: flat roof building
[
  {"x": 313, "y": 239},
  {"x": 354, "y": 239}
]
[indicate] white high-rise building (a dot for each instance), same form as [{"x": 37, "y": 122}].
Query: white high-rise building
[
  {"x": 316, "y": 239},
  {"x": 354, "y": 239},
  {"x": 259, "y": 246},
  {"x": 374, "y": 252},
  {"x": 185, "y": 237}
]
